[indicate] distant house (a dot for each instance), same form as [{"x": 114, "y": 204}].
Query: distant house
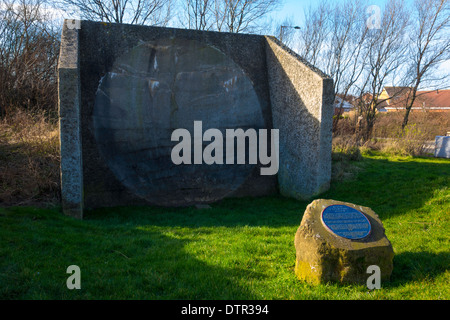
[
  {"x": 426, "y": 101},
  {"x": 345, "y": 103}
]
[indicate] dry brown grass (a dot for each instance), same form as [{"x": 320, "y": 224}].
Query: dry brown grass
[
  {"x": 410, "y": 142},
  {"x": 29, "y": 160},
  {"x": 388, "y": 135},
  {"x": 388, "y": 125},
  {"x": 344, "y": 154},
  {"x": 422, "y": 127},
  {"x": 426, "y": 125}
]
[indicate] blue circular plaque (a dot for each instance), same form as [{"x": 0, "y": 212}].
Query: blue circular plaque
[{"x": 346, "y": 222}]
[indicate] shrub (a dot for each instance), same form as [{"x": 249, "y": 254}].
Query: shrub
[
  {"x": 29, "y": 159},
  {"x": 430, "y": 124},
  {"x": 409, "y": 142},
  {"x": 345, "y": 148},
  {"x": 388, "y": 136}
]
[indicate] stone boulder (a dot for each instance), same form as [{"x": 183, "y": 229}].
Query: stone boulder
[{"x": 324, "y": 256}]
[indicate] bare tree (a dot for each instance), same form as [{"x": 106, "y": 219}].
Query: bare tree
[
  {"x": 386, "y": 48},
  {"x": 155, "y": 12},
  {"x": 242, "y": 15},
  {"x": 227, "y": 15},
  {"x": 315, "y": 32},
  {"x": 338, "y": 39},
  {"x": 344, "y": 56},
  {"x": 430, "y": 45},
  {"x": 333, "y": 38},
  {"x": 29, "y": 47},
  {"x": 197, "y": 14}
]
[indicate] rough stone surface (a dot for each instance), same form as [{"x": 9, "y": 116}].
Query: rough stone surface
[
  {"x": 69, "y": 124},
  {"x": 160, "y": 86},
  {"x": 302, "y": 110},
  {"x": 104, "y": 48},
  {"x": 442, "y": 147},
  {"x": 322, "y": 256},
  {"x": 128, "y": 87}
]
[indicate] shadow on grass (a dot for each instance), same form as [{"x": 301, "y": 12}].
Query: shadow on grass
[
  {"x": 143, "y": 253},
  {"x": 273, "y": 211},
  {"x": 116, "y": 261},
  {"x": 418, "y": 266},
  {"x": 393, "y": 187},
  {"x": 389, "y": 187}
]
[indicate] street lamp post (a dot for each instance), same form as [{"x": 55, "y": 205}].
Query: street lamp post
[{"x": 281, "y": 30}]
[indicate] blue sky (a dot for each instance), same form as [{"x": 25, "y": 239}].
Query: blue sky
[{"x": 295, "y": 8}]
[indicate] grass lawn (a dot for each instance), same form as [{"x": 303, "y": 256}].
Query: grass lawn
[{"x": 239, "y": 249}]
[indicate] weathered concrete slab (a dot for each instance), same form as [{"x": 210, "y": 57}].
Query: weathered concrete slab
[
  {"x": 442, "y": 147},
  {"x": 157, "y": 87},
  {"x": 70, "y": 124},
  {"x": 127, "y": 88},
  {"x": 301, "y": 99}
]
